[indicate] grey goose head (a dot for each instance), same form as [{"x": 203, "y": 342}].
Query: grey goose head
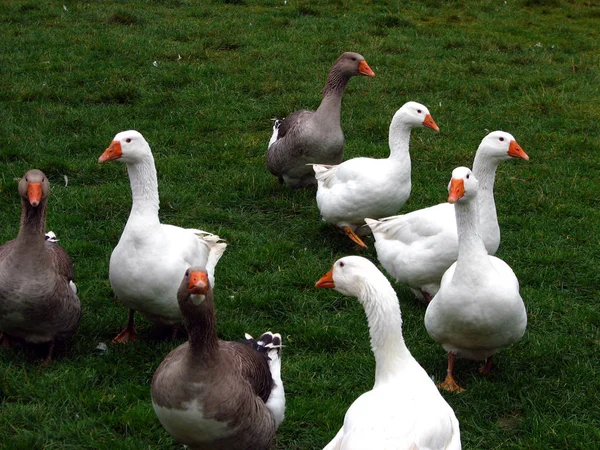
[
  {"x": 194, "y": 287},
  {"x": 34, "y": 187},
  {"x": 352, "y": 64}
]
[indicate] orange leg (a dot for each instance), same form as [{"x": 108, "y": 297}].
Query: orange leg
[
  {"x": 354, "y": 237},
  {"x": 486, "y": 369},
  {"x": 427, "y": 297},
  {"x": 449, "y": 383},
  {"x": 128, "y": 334}
]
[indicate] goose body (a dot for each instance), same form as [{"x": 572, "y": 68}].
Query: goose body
[
  {"x": 214, "y": 394},
  {"x": 404, "y": 410},
  {"x": 306, "y": 137},
  {"x": 478, "y": 308},
  {"x": 368, "y": 187},
  {"x": 38, "y": 301},
  {"x": 147, "y": 263},
  {"x": 418, "y": 247}
]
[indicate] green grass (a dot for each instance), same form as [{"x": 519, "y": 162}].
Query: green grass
[{"x": 71, "y": 79}]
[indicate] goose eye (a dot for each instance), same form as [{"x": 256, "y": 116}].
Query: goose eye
[
  {"x": 187, "y": 273},
  {"x": 419, "y": 111},
  {"x": 501, "y": 139},
  {"x": 468, "y": 176},
  {"x": 353, "y": 59},
  {"x": 128, "y": 140},
  {"x": 341, "y": 264}
]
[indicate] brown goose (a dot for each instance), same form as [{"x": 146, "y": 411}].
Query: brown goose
[
  {"x": 214, "y": 394},
  {"x": 306, "y": 137},
  {"x": 38, "y": 302}
]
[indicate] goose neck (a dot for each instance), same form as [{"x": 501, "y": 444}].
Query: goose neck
[
  {"x": 200, "y": 323},
  {"x": 484, "y": 169},
  {"x": 385, "y": 327},
  {"x": 331, "y": 104},
  {"x": 399, "y": 142},
  {"x": 470, "y": 245},
  {"x": 33, "y": 226},
  {"x": 144, "y": 186}
]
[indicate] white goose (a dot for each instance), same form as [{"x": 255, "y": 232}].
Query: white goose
[
  {"x": 478, "y": 309},
  {"x": 418, "y": 247},
  {"x": 147, "y": 263},
  {"x": 370, "y": 187},
  {"x": 404, "y": 410}
]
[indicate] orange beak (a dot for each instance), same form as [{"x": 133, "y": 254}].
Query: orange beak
[
  {"x": 326, "y": 280},
  {"x": 515, "y": 151},
  {"x": 198, "y": 284},
  {"x": 112, "y": 152},
  {"x": 34, "y": 193},
  {"x": 456, "y": 191},
  {"x": 364, "y": 69},
  {"x": 430, "y": 123}
]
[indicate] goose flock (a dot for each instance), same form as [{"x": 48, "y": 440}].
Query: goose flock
[{"x": 214, "y": 394}]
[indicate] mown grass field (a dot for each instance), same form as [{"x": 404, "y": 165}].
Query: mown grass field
[{"x": 201, "y": 81}]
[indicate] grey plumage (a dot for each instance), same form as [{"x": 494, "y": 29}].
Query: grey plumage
[
  {"x": 226, "y": 384},
  {"x": 37, "y": 303},
  {"x": 307, "y": 137}
]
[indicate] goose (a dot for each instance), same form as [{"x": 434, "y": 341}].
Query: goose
[
  {"x": 306, "y": 137},
  {"x": 370, "y": 187},
  {"x": 404, "y": 410},
  {"x": 214, "y": 394},
  {"x": 478, "y": 308},
  {"x": 418, "y": 247},
  {"x": 146, "y": 265},
  {"x": 38, "y": 300}
]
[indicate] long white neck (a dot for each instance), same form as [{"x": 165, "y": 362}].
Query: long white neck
[
  {"x": 471, "y": 251},
  {"x": 385, "y": 327},
  {"x": 484, "y": 169},
  {"x": 144, "y": 189},
  {"x": 399, "y": 142}
]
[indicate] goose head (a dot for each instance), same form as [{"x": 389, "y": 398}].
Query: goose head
[
  {"x": 194, "y": 287},
  {"x": 349, "y": 275},
  {"x": 127, "y": 146},
  {"x": 352, "y": 64},
  {"x": 463, "y": 186},
  {"x": 34, "y": 187},
  {"x": 414, "y": 114},
  {"x": 501, "y": 145}
]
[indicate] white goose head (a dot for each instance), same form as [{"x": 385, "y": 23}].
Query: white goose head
[
  {"x": 463, "y": 186},
  {"x": 127, "y": 146},
  {"x": 350, "y": 275},
  {"x": 414, "y": 114},
  {"x": 501, "y": 145}
]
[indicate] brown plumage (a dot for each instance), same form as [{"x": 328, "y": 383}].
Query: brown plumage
[
  {"x": 307, "y": 137},
  {"x": 214, "y": 394},
  {"x": 37, "y": 301}
]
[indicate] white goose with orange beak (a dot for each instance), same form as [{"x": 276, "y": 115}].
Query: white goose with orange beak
[
  {"x": 478, "y": 309},
  {"x": 418, "y": 247},
  {"x": 371, "y": 187},
  {"x": 147, "y": 263}
]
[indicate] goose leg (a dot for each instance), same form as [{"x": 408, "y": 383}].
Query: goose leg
[
  {"x": 449, "y": 383},
  {"x": 48, "y": 359},
  {"x": 128, "y": 334},
  {"x": 174, "y": 331},
  {"x": 354, "y": 237},
  {"x": 426, "y": 296},
  {"x": 486, "y": 369},
  {"x": 4, "y": 341}
]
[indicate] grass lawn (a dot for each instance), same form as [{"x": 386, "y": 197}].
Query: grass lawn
[{"x": 201, "y": 81}]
